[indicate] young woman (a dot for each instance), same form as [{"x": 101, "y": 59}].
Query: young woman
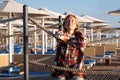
[{"x": 69, "y": 50}]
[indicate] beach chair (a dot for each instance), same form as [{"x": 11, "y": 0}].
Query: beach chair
[
  {"x": 50, "y": 51},
  {"x": 105, "y": 53},
  {"x": 18, "y": 50},
  {"x": 110, "y": 50},
  {"x": 99, "y": 54},
  {"x": 100, "y": 50},
  {"x": 89, "y": 53},
  {"x": 13, "y": 70}
]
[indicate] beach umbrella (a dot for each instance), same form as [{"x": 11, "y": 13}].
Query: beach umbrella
[
  {"x": 10, "y": 6},
  {"x": 81, "y": 19},
  {"x": 53, "y": 15},
  {"x": 115, "y": 12},
  {"x": 2, "y": 24},
  {"x": 98, "y": 24},
  {"x": 95, "y": 20},
  {"x": 19, "y": 23}
]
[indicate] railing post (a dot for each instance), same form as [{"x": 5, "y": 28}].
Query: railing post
[
  {"x": 25, "y": 37},
  {"x": 60, "y": 23}
]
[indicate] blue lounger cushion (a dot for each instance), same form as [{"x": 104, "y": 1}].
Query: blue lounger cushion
[
  {"x": 15, "y": 69},
  {"x": 109, "y": 53},
  {"x": 89, "y": 61}
]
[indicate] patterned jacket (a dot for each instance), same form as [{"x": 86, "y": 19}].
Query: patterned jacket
[{"x": 69, "y": 53}]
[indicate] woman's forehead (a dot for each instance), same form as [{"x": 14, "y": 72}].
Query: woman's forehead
[{"x": 70, "y": 17}]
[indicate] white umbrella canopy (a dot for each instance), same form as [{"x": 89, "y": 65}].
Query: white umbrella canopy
[
  {"x": 115, "y": 12},
  {"x": 20, "y": 23},
  {"x": 3, "y": 26},
  {"x": 10, "y": 6},
  {"x": 81, "y": 20},
  {"x": 52, "y": 13},
  {"x": 95, "y": 20},
  {"x": 109, "y": 29},
  {"x": 99, "y": 24}
]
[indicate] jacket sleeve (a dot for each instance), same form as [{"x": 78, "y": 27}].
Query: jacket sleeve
[
  {"x": 82, "y": 38},
  {"x": 84, "y": 42}
]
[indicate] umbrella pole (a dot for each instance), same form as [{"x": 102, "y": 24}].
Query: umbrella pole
[{"x": 25, "y": 37}]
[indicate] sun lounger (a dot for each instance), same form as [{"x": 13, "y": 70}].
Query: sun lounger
[
  {"x": 89, "y": 52},
  {"x": 110, "y": 53},
  {"x": 18, "y": 50},
  {"x": 89, "y": 63},
  {"x": 12, "y": 70}
]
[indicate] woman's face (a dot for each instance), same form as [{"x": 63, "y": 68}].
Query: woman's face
[{"x": 70, "y": 23}]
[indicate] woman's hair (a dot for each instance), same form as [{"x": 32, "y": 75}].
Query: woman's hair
[{"x": 76, "y": 20}]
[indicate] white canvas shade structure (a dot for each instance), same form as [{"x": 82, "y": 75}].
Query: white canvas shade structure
[
  {"x": 99, "y": 24},
  {"x": 106, "y": 30},
  {"x": 9, "y": 7},
  {"x": 20, "y": 23},
  {"x": 115, "y": 12},
  {"x": 97, "y": 30},
  {"x": 52, "y": 13},
  {"x": 95, "y": 20},
  {"x": 54, "y": 16},
  {"x": 2, "y": 24},
  {"x": 81, "y": 19},
  {"x": 116, "y": 32}
]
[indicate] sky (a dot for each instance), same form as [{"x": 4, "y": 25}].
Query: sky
[{"x": 95, "y": 8}]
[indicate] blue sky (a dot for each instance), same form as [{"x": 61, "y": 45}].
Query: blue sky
[{"x": 95, "y": 8}]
